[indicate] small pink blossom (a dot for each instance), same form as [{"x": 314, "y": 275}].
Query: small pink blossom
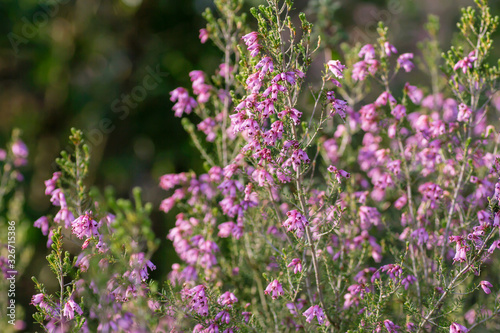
[
  {"x": 390, "y": 326},
  {"x": 457, "y": 328},
  {"x": 69, "y": 309},
  {"x": 486, "y": 286},
  {"x": 185, "y": 103},
  {"x": 315, "y": 311},
  {"x": 389, "y": 49},
  {"x": 405, "y": 63},
  {"x": 295, "y": 221},
  {"x": 464, "y": 113},
  {"x": 227, "y": 298},
  {"x": 203, "y": 36},
  {"x": 85, "y": 226},
  {"x": 466, "y": 62},
  {"x": 414, "y": 93},
  {"x": 367, "y": 51},
  {"x": 296, "y": 264},
  {"x": 274, "y": 288},
  {"x": 336, "y": 68},
  {"x": 43, "y": 224}
]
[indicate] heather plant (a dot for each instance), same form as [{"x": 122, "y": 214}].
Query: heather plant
[
  {"x": 355, "y": 204},
  {"x": 13, "y": 228}
]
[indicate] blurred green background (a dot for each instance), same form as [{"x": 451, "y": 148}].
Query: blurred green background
[{"x": 83, "y": 64}]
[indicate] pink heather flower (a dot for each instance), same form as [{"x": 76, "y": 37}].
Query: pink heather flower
[
  {"x": 199, "y": 87},
  {"x": 368, "y": 216},
  {"x": 85, "y": 226},
  {"x": 50, "y": 184},
  {"x": 431, "y": 192},
  {"x": 368, "y": 118},
  {"x": 496, "y": 218},
  {"x": 37, "y": 299},
  {"x": 367, "y": 51},
  {"x": 339, "y": 107},
  {"x": 227, "y": 299},
  {"x": 383, "y": 98},
  {"x": 274, "y": 288},
  {"x": 64, "y": 215},
  {"x": 49, "y": 238},
  {"x": 250, "y": 38},
  {"x": 391, "y": 327},
  {"x": 262, "y": 177},
  {"x": 69, "y": 309},
  {"x": 461, "y": 252},
  {"x": 251, "y": 41},
  {"x": 225, "y": 229},
  {"x": 266, "y": 107},
  {"x": 362, "y": 68},
  {"x": 197, "y": 299},
  {"x": 394, "y": 167},
  {"x": 399, "y": 111},
  {"x": 394, "y": 271},
  {"x": 296, "y": 264},
  {"x": 486, "y": 286},
  {"x": 225, "y": 70},
  {"x": 207, "y": 126},
  {"x": 167, "y": 204},
  {"x": 330, "y": 96},
  {"x": 289, "y": 77},
  {"x": 339, "y": 173},
  {"x": 43, "y": 224},
  {"x": 83, "y": 261},
  {"x": 483, "y": 217},
  {"x": 421, "y": 236},
  {"x": 266, "y": 65},
  {"x": 414, "y": 93},
  {"x": 185, "y": 103},
  {"x": 336, "y": 68},
  {"x": 359, "y": 71},
  {"x": 273, "y": 90},
  {"x": 295, "y": 221},
  {"x": 315, "y": 311},
  {"x": 464, "y": 113},
  {"x": 407, "y": 281},
  {"x": 140, "y": 266},
  {"x": 404, "y": 61},
  {"x": 254, "y": 83},
  {"x": 411, "y": 327},
  {"x": 373, "y": 66},
  {"x": 293, "y": 307},
  {"x": 466, "y": 62},
  {"x": 389, "y": 49},
  {"x": 224, "y": 317},
  {"x": 19, "y": 149},
  {"x": 457, "y": 328},
  {"x": 294, "y": 114},
  {"x": 401, "y": 202},
  {"x": 203, "y": 36},
  {"x": 246, "y": 316},
  {"x": 169, "y": 181},
  {"x": 57, "y": 196}
]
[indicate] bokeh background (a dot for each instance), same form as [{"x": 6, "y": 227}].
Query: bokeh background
[{"x": 80, "y": 63}]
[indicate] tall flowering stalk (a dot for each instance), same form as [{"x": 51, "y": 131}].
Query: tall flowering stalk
[
  {"x": 291, "y": 206},
  {"x": 104, "y": 285}
]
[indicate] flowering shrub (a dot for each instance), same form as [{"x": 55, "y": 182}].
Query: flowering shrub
[{"x": 354, "y": 206}]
